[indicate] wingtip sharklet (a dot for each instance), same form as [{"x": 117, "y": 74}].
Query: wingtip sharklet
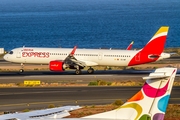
[{"x": 73, "y": 51}]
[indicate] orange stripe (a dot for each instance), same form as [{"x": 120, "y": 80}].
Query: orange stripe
[{"x": 136, "y": 97}]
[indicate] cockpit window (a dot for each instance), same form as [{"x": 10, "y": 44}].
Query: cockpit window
[{"x": 11, "y": 52}]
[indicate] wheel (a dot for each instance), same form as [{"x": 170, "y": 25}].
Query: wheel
[
  {"x": 21, "y": 70},
  {"x": 90, "y": 70},
  {"x": 78, "y": 72}
]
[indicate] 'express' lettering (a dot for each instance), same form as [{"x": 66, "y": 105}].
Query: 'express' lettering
[{"x": 36, "y": 54}]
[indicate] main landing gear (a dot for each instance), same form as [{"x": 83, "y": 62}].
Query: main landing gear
[
  {"x": 90, "y": 70},
  {"x": 78, "y": 71}
]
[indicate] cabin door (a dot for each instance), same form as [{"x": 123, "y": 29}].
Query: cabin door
[
  {"x": 100, "y": 56},
  {"x": 18, "y": 54}
]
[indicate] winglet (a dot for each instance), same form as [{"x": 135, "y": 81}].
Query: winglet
[
  {"x": 130, "y": 46},
  {"x": 73, "y": 51}
]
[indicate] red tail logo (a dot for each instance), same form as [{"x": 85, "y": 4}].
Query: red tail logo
[{"x": 152, "y": 50}]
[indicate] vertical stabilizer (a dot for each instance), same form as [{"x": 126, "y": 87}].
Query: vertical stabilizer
[
  {"x": 153, "y": 49},
  {"x": 150, "y": 102}
]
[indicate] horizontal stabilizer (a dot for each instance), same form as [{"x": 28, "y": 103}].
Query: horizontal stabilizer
[
  {"x": 47, "y": 114},
  {"x": 156, "y": 75}
]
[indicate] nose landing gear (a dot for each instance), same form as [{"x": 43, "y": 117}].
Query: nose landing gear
[{"x": 22, "y": 68}]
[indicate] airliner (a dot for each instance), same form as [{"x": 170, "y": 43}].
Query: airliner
[
  {"x": 149, "y": 103},
  {"x": 60, "y": 59}
]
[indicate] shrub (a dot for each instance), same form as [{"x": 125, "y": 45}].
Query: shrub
[
  {"x": 101, "y": 82},
  {"x": 51, "y": 106},
  {"x": 118, "y": 102},
  {"x": 36, "y": 69},
  {"x": 93, "y": 83},
  {"x": 26, "y": 110}
]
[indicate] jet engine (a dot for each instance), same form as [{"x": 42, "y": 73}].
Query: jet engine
[{"x": 57, "y": 65}]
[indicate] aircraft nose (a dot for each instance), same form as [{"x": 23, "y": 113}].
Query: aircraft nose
[{"x": 5, "y": 57}]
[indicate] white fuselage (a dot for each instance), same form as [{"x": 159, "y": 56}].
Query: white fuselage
[
  {"x": 91, "y": 57},
  {"x": 104, "y": 57}
]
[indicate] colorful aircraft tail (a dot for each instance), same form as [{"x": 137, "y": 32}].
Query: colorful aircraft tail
[
  {"x": 153, "y": 49},
  {"x": 130, "y": 46},
  {"x": 150, "y": 102}
]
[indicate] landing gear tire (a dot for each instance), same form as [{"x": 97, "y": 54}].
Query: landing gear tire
[
  {"x": 90, "y": 70},
  {"x": 78, "y": 72},
  {"x": 21, "y": 71}
]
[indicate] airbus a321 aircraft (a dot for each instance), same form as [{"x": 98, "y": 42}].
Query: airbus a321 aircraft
[
  {"x": 60, "y": 59},
  {"x": 149, "y": 103}
]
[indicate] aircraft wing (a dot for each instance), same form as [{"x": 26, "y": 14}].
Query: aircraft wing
[
  {"x": 71, "y": 60},
  {"x": 58, "y": 112},
  {"x": 87, "y": 63}
]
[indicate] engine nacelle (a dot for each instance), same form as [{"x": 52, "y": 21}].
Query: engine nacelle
[{"x": 56, "y": 65}]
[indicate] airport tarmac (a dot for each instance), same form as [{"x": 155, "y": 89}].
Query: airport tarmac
[
  {"x": 67, "y": 76},
  {"x": 70, "y": 77},
  {"x": 15, "y": 99}
]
